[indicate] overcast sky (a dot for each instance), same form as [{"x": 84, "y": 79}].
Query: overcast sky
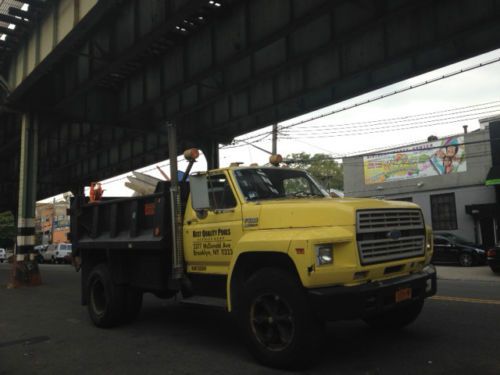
[{"x": 470, "y": 88}]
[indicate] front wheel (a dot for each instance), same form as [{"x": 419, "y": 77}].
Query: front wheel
[
  {"x": 466, "y": 260},
  {"x": 278, "y": 325},
  {"x": 396, "y": 318}
]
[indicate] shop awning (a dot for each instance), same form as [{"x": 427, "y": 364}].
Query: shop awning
[{"x": 493, "y": 177}]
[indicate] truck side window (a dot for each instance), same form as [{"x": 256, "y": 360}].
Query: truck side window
[{"x": 220, "y": 193}]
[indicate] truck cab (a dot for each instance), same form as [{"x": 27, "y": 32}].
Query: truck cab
[{"x": 266, "y": 244}]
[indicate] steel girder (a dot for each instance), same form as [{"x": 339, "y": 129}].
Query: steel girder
[{"x": 220, "y": 72}]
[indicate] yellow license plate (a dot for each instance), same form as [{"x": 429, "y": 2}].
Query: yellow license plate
[{"x": 403, "y": 294}]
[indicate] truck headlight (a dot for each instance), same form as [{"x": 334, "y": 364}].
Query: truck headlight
[{"x": 324, "y": 254}]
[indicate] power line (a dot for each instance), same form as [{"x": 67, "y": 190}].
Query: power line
[
  {"x": 394, "y": 151},
  {"x": 472, "y": 110},
  {"x": 395, "y": 92},
  {"x": 394, "y": 125},
  {"x": 426, "y": 114},
  {"x": 383, "y": 96}
]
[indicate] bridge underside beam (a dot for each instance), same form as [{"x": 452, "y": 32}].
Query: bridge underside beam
[{"x": 222, "y": 72}]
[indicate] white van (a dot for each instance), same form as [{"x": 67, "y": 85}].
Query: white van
[
  {"x": 58, "y": 253},
  {"x": 3, "y": 255}
]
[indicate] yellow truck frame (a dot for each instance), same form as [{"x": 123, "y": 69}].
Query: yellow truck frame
[{"x": 268, "y": 245}]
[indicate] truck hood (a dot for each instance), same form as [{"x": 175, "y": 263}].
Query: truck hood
[{"x": 314, "y": 212}]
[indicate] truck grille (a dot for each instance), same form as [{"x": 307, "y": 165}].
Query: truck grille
[{"x": 387, "y": 235}]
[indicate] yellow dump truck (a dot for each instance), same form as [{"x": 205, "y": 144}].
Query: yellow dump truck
[{"x": 267, "y": 244}]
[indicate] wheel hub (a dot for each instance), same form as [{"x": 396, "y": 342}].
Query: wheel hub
[{"x": 271, "y": 319}]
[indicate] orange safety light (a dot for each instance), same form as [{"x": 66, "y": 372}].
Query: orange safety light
[
  {"x": 96, "y": 191},
  {"x": 275, "y": 159},
  {"x": 192, "y": 154}
]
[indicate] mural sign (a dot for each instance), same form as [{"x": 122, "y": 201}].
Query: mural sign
[{"x": 436, "y": 158}]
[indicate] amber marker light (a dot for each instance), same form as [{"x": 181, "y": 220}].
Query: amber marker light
[
  {"x": 191, "y": 154},
  {"x": 275, "y": 159}
]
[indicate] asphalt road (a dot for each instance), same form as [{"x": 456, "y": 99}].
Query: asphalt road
[{"x": 44, "y": 330}]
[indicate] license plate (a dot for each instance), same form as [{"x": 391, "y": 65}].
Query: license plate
[{"x": 403, "y": 294}]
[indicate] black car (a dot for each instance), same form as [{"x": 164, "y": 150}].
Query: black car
[
  {"x": 449, "y": 248},
  {"x": 494, "y": 259}
]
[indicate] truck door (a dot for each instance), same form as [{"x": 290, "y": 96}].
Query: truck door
[{"x": 210, "y": 236}]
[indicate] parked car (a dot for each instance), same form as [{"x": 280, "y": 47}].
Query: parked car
[
  {"x": 494, "y": 259},
  {"x": 40, "y": 250},
  {"x": 3, "y": 255},
  {"x": 452, "y": 249},
  {"x": 58, "y": 253}
]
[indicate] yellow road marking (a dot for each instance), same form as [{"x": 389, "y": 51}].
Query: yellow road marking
[{"x": 467, "y": 300}]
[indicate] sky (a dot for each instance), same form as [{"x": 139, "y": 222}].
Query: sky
[{"x": 474, "y": 87}]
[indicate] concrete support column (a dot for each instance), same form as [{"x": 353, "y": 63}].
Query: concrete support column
[
  {"x": 211, "y": 151},
  {"x": 25, "y": 268}
]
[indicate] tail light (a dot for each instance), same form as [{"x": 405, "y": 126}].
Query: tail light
[{"x": 491, "y": 253}]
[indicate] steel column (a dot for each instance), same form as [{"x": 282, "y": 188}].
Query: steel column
[
  {"x": 25, "y": 269},
  {"x": 175, "y": 201},
  {"x": 211, "y": 151}
]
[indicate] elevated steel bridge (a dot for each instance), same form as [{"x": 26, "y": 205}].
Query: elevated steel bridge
[{"x": 88, "y": 86}]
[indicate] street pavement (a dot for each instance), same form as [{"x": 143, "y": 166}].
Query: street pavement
[
  {"x": 481, "y": 273},
  {"x": 44, "y": 330}
]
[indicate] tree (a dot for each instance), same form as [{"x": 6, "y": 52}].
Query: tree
[
  {"x": 322, "y": 167},
  {"x": 7, "y": 229}
]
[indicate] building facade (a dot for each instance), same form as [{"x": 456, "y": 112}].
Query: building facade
[
  {"x": 452, "y": 179},
  {"x": 52, "y": 222}
]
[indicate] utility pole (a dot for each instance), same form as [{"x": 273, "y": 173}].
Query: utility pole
[{"x": 275, "y": 139}]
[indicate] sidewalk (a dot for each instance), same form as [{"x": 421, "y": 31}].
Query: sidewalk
[{"x": 480, "y": 273}]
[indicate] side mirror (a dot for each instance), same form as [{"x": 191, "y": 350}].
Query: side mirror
[{"x": 199, "y": 192}]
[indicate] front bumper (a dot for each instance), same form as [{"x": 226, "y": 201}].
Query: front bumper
[{"x": 352, "y": 302}]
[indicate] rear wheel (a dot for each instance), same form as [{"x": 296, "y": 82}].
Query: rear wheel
[
  {"x": 106, "y": 300},
  {"x": 278, "y": 326},
  {"x": 397, "y": 318},
  {"x": 466, "y": 260}
]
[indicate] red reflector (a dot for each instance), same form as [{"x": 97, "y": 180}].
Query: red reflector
[
  {"x": 149, "y": 209},
  {"x": 491, "y": 253},
  {"x": 299, "y": 250}
]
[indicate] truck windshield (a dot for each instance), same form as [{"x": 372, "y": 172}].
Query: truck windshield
[{"x": 275, "y": 183}]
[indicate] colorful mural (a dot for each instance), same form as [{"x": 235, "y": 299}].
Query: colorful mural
[{"x": 436, "y": 158}]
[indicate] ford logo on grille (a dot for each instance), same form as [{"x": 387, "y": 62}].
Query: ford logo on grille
[{"x": 394, "y": 234}]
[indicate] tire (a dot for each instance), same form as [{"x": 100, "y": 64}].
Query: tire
[
  {"x": 106, "y": 301},
  {"x": 466, "y": 260},
  {"x": 495, "y": 270},
  {"x": 397, "y": 318},
  {"x": 276, "y": 321}
]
